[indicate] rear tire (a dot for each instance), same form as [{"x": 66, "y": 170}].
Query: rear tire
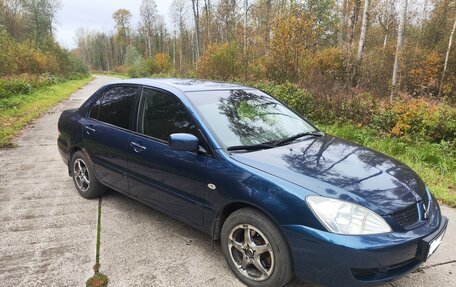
[
  {"x": 261, "y": 256},
  {"x": 84, "y": 176}
]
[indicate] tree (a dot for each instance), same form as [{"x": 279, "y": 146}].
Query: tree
[
  {"x": 227, "y": 17},
  {"x": 386, "y": 15},
  {"x": 40, "y": 16},
  {"x": 362, "y": 41},
  {"x": 179, "y": 12},
  {"x": 400, "y": 42},
  {"x": 196, "y": 17},
  {"x": 207, "y": 9},
  {"x": 324, "y": 13},
  {"x": 447, "y": 56},
  {"x": 353, "y": 20},
  {"x": 148, "y": 22},
  {"x": 122, "y": 18},
  {"x": 291, "y": 45}
]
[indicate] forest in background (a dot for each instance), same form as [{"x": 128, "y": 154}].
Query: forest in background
[
  {"x": 35, "y": 71},
  {"x": 30, "y": 57},
  {"x": 383, "y": 63}
]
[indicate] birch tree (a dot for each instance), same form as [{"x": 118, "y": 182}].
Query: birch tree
[
  {"x": 195, "y": 7},
  {"x": 447, "y": 56},
  {"x": 362, "y": 41},
  {"x": 148, "y": 13},
  {"x": 386, "y": 16},
  {"x": 400, "y": 42}
]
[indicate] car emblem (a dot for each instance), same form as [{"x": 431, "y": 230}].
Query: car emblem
[
  {"x": 426, "y": 211},
  {"x": 211, "y": 186}
]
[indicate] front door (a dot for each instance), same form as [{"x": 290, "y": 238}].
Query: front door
[{"x": 171, "y": 181}]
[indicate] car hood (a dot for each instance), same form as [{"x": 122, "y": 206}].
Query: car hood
[{"x": 340, "y": 169}]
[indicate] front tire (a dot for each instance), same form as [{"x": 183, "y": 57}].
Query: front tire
[
  {"x": 84, "y": 176},
  {"x": 255, "y": 250}
]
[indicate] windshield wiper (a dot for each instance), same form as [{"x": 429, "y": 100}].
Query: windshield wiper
[
  {"x": 250, "y": 147},
  {"x": 297, "y": 136}
]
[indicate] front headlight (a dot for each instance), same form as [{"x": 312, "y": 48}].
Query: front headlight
[{"x": 344, "y": 217}]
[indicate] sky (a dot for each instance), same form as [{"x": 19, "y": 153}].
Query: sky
[{"x": 96, "y": 15}]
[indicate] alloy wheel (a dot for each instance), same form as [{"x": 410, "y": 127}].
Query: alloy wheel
[
  {"x": 251, "y": 252},
  {"x": 81, "y": 174}
]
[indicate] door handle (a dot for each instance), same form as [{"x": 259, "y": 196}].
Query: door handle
[
  {"x": 137, "y": 146},
  {"x": 89, "y": 129}
]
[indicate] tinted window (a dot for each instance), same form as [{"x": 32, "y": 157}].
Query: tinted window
[
  {"x": 94, "y": 110},
  {"x": 164, "y": 114},
  {"x": 115, "y": 106}
]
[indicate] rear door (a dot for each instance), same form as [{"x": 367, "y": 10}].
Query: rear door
[
  {"x": 105, "y": 133},
  {"x": 172, "y": 181}
]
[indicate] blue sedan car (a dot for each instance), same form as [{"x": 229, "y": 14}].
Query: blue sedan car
[{"x": 283, "y": 198}]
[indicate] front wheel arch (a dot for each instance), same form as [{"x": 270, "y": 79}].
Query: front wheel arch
[{"x": 225, "y": 211}]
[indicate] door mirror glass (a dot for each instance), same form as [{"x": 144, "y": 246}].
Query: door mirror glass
[{"x": 183, "y": 142}]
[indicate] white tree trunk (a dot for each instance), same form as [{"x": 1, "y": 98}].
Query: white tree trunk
[
  {"x": 362, "y": 41},
  {"x": 400, "y": 42},
  {"x": 385, "y": 40},
  {"x": 362, "y": 35},
  {"x": 208, "y": 23},
  {"x": 195, "y": 6},
  {"x": 447, "y": 56}
]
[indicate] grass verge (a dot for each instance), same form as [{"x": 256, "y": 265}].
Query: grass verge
[
  {"x": 18, "y": 111},
  {"x": 435, "y": 163}
]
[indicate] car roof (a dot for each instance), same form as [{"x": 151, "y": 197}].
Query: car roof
[{"x": 182, "y": 84}]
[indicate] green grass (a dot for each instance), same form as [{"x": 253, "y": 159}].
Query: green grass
[
  {"x": 435, "y": 163},
  {"x": 18, "y": 111},
  {"x": 98, "y": 279}
]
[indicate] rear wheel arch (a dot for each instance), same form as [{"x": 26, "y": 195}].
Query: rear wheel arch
[
  {"x": 71, "y": 153},
  {"x": 83, "y": 175}
]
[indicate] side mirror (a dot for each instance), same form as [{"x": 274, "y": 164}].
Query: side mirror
[{"x": 183, "y": 142}]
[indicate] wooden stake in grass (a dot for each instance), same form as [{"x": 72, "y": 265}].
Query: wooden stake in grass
[{"x": 98, "y": 279}]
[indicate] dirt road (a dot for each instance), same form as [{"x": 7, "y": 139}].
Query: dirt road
[{"x": 48, "y": 232}]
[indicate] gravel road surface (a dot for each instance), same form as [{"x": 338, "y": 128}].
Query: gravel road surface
[{"x": 48, "y": 232}]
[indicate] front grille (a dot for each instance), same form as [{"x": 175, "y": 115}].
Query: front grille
[{"x": 407, "y": 216}]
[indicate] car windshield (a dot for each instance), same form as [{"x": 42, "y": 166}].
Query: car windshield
[{"x": 247, "y": 117}]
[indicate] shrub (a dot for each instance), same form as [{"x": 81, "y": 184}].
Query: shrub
[
  {"x": 424, "y": 71},
  {"x": 220, "y": 61},
  {"x": 7, "y": 59},
  {"x": 295, "y": 97},
  {"x": 24, "y": 84},
  {"x": 161, "y": 63},
  {"x": 120, "y": 69},
  {"x": 417, "y": 119},
  {"x": 408, "y": 118},
  {"x": 329, "y": 63},
  {"x": 15, "y": 87}
]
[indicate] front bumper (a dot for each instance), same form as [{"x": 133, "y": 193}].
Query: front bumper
[{"x": 343, "y": 260}]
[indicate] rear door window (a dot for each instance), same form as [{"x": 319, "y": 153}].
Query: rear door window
[{"x": 115, "y": 106}]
